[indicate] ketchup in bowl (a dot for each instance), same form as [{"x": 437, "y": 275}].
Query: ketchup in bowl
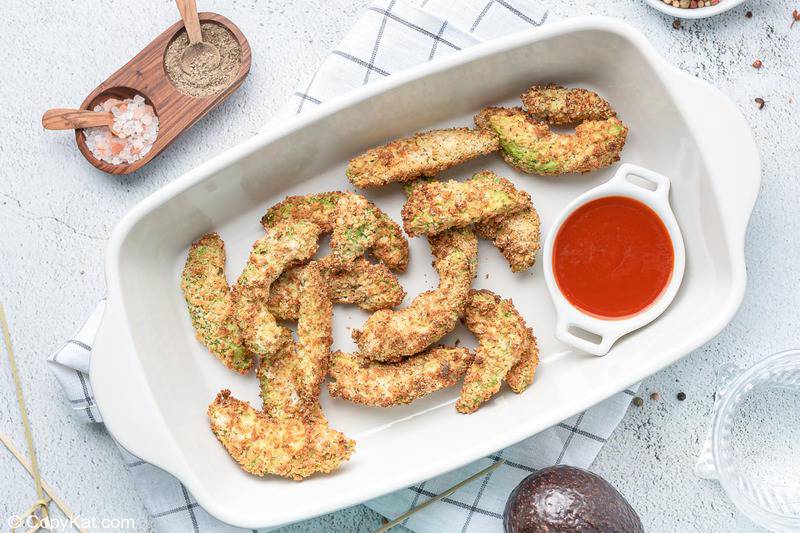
[{"x": 613, "y": 257}]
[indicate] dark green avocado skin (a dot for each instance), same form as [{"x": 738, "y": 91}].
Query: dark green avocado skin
[{"x": 565, "y": 499}]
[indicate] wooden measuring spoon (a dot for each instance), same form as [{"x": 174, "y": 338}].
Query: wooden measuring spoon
[
  {"x": 70, "y": 119},
  {"x": 198, "y": 51}
]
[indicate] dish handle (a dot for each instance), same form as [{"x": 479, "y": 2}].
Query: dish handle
[
  {"x": 565, "y": 332},
  {"x": 120, "y": 388},
  {"x": 725, "y": 138}
]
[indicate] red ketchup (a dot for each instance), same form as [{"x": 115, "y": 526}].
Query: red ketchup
[{"x": 613, "y": 257}]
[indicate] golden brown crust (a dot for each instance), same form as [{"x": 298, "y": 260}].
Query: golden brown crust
[
  {"x": 357, "y": 379},
  {"x": 314, "y": 331},
  {"x": 361, "y": 226},
  {"x": 521, "y": 374},
  {"x": 530, "y": 146},
  {"x": 424, "y": 154},
  {"x": 558, "y": 105},
  {"x": 210, "y": 304},
  {"x": 517, "y": 236},
  {"x": 291, "y": 437},
  {"x": 290, "y": 379},
  {"x": 368, "y": 285},
  {"x": 290, "y": 447},
  {"x": 318, "y": 208},
  {"x": 282, "y": 246},
  {"x": 435, "y": 206},
  {"x": 392, "y": 335},
  {"x": 503, "y": 341}
]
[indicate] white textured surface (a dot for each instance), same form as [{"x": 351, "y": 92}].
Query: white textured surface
[{"x": 56, "y": 212}]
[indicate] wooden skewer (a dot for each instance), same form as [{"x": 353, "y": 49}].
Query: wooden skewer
[
  {"x": 71, "y": 119},
  {"x": 399, "y": 520},
  {"x": 47, "y": 488}
]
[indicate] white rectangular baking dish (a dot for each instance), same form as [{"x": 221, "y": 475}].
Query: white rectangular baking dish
[{"x": 153, "y": 381}]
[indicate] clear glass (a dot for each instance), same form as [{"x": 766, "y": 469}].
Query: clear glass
[{"x": 756, "y": 441}]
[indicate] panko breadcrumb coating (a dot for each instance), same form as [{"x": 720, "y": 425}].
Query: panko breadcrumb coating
[
  {"x": 314, "y": 331},
  {"x": 280, "y": 392},
  {"x": 390, "y": 246},
  {"x": 317, "y": 208},
  {"x": 392, "y": 335},
  {"x": 503, "y": 341},
  {"x": 282, "y": 246},
  {"x": 435, "y": 206},
  {"x": 361, "y": 226},
  {"x": 530, "y": 146},
  {"x": 291, "y": 437},
  {"x": 517, "y": 236},
  {"x": 424, "y": 154},
  {"x": 368, "y": 285},
  {"x": 561, "y": 106},
  {"x": 291, "y": 447},
  {"x": 357, "y": 379},
  {"x": 521, "y": 374},
  {"x": 290, "y": 379},
  {"x": 210, "y": 304}
]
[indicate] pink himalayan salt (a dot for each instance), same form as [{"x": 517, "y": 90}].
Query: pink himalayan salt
[{"x": 131, "y": 136}]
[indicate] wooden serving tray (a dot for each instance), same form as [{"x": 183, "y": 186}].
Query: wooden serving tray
[{"x": 146, "y": 74}]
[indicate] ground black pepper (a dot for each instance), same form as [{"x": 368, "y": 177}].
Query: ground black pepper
[{"x": 203, "y": 81}]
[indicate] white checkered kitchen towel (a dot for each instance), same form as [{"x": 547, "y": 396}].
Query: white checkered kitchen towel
[{"x": 390, "y": 36}]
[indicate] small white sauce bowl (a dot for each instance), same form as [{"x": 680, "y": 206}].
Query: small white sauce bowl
[
  {"x": 699, "y": 13},
  {"x": 590, "y": 333}
]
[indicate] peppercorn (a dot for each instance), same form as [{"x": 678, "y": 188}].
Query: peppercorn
[
  {"x": 760, "y": 103},
  {"x": 681, "y": 396},
  {"x": 757, "y": 63},
  {"x": 638, "y": 402},
  {"x": 655, "y": 396}
]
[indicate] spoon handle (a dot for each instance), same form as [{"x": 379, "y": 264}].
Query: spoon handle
[
  {"x": 191, "y": 21},
  {"x": 70, "y": 119}
]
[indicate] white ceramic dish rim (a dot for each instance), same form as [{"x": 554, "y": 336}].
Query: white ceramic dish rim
[
  {"x": 699, "y": 13},
  {"x": 167, "y": 455},
  {"x": 611, "y": 330}
]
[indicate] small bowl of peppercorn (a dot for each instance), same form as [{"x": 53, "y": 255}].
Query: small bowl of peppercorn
[{"x": 694, "y": 9}]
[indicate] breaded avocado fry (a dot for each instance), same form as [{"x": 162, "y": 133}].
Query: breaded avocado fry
[
  {"x": 291, "y": 437},
  {"x": 521, "y": 374},
  {"x": 435, "y": 206},
  {"x": 517, "y": 236},
  {"x": 424, "y": 154},
  {"x": 282, "y": 246},
  {"x": 314, "y": 331},
  {"x": 503, "y": 342},
  {"x": 290, "y": 379},
  {"x": 391, "y": 335},
  {"x": 317, "y": 208},
  {"x": 368, "y": 285},
  {"x": 291, "y": 447},
  {"x": 561, "y": 106},
  {"x": 361, "y": 226},
  {"x": 360, "y": 380},
  {"x": 380, "y": 235},
  {"x": 210, "y": 304},
  {"x": 530, "y": 146}
]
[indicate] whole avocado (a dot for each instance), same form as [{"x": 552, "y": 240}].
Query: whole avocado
[{"x": 568, "y": 499}]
